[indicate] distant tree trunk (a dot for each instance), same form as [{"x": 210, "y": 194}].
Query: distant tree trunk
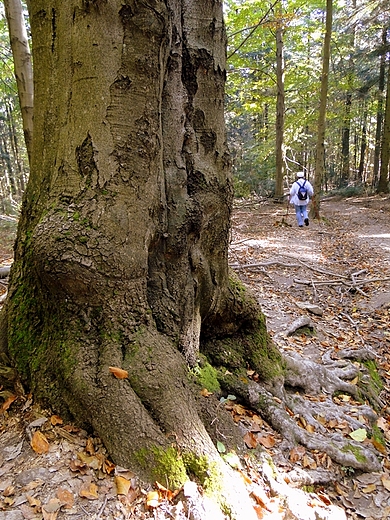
[
  {"x": 363, "y": 148},
  {"x": 279, "y": 113},
  {"x": 22, "y": 64},
  {"x": 383, "y": 185},
  {"x": 320, "y": 147},
  {"x": 345, "y": 138},
  {"x": 13, "y": 138},
  {"x": 379, "y": 113}
]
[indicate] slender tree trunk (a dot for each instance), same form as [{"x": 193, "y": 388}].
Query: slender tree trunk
[
  {"x": 363, "y": 148},
  {"x": 22, "y": 64},
  {"x": 320, "y": 147},
  {"x": 279, "y": 112},
  {"x": 379, "y": 113},
  {"x": 345, "y": 139},
  {"x": 383, "y": 185}
]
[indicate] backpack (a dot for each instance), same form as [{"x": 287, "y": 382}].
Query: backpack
[{"x": 302, "y": 191}]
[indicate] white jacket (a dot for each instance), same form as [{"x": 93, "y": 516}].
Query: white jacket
[{"x": 294, "y": 192}]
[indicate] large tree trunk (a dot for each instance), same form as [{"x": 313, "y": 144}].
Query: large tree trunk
[{"x": 121, "y": 255}]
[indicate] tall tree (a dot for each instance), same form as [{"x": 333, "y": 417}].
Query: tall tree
[
  {"x": 383, "y": 185},
  {"x": 279, "y": 173},
  {"x": 121, "y": 255},
  {"x": 320, "y": 147},
  {"x": 379, "y": 113},
  {"x": 23, "y": 65}
]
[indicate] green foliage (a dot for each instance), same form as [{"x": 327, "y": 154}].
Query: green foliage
[{"x": 251, "y": 87}]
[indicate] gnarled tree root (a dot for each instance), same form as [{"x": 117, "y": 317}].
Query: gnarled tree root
[{"x": 280, "y": 412}]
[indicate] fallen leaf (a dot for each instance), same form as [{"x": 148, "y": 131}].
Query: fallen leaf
[
  {"x": 239, "y": 409},
  {"x": 119, "y": 373},
  {"x": 325, "y": 499},
  {"x": 92, "y": 461},
  {"x": 65, "y": 497},
  {"x": 359, "y": 435},
  {"x": 268, "y": 441},
  {"x": 383, "y": 424},
  {"x": 122, "y": 485},
  {"x": 7, "y": 403},
  {"x": 297, "y": 453},
  {"x": 165, "y": 493},
  {"x": 55, "y": 420},
  {"x": 259, "y": 512},
  {"x": 108, "y": 467},
  {"x": 39, "y": 443},
  {"x": 152, "y": 499},
  {"x": 9, "y": 491},
  {"x": 89, "y": 491},
  {"x": 52, "y": 506},
  {"x": 205, "y": 393},
  {"x": 34, "y": 502},
  {"x": 379, "y": 446},
  {"x": 369, "y": 489},
  {"x": 386, "y": 482},
  {"x": 250, "y": 440},
  {"x": 90, "y": 448}
]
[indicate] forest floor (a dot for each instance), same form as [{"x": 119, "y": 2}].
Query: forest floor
[{"x": 336, "y": 274}]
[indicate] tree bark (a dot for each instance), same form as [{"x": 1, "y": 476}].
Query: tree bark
[
  {"x": 23, "y": 66},
  {"x": 320, "y": 146},
  {"x": 379, "y": 113},
  {"x": 383, "y": 185},
  {"x": 279, "y": 111},
  {"x": 121, "y": 254}
]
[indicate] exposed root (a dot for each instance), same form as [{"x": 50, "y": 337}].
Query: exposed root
[{"x": 281, "y": 409}]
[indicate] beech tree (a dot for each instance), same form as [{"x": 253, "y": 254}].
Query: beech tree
[
  {"x": 120, "y": 300},
  {"x": 22, "y": 64}
]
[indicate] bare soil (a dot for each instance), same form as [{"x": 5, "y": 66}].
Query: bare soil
[{"x": 334, "y": 273}]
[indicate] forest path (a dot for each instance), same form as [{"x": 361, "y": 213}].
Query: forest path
[{"x": 344, "y": 261}]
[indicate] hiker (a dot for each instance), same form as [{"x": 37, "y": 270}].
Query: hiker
[{"x": 300, "y": 194}]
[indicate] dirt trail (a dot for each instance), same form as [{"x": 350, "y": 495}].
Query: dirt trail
[{"x": 338, "y": 267}]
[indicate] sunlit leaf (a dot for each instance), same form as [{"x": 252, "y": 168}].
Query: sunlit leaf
[
  {"x": 33, "y": 502},
  {"x": 359, "y": 435},
  {"x": 119, "y": 373},
  {"x": 39, "y": 443},
  {"x": 122, "y": 485},
  {"x": 89, "y": 491},
  {"x": 152, "y": 499},
  {"x": 221, "y": 447},
  {"x": 233, "y": 460},
  {"x": 369, "y": 489}
]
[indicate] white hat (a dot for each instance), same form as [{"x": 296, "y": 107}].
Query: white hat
[{"x": 300, "y": 174}]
